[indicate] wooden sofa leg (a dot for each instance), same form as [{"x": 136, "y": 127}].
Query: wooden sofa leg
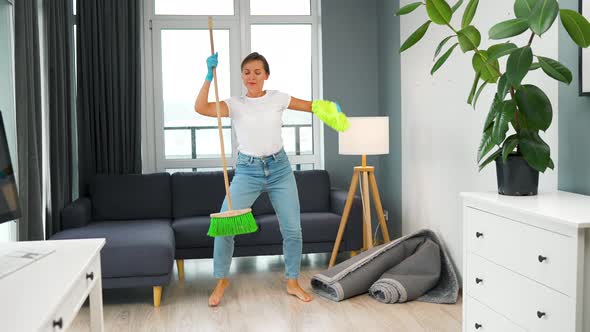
[
  {"x": 353, "y": 253},
  {"x": 180, "y": 268},
  {"x": 157, "y": 296}
]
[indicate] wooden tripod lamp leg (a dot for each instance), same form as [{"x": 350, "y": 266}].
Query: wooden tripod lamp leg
[
  {"x": 344, "y": 219},
  {"x": 367, "y": 211},
  {"x": 379, "y": 208}
]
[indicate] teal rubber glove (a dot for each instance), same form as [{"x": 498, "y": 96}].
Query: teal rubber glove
[{"x": 211, "y": 63}]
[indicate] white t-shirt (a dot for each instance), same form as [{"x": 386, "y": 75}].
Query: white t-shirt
[{"x": 258, "y": 122}]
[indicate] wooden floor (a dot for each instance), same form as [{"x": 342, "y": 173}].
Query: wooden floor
[{"x": 256, "y": 301}]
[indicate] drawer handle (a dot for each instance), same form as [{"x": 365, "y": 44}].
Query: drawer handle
[
  {"x": 478, "y": 234},
  {"x": 477, "y": 326},
  {"x": 58, "y": 323},
  {"x": 540, "y": 314},
  {"x": 541, "y": 258},
  {"x": 477, "y": 280},
  {"x": 90, "y": 275}
]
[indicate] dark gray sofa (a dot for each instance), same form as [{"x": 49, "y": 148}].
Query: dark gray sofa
[{"x": 149, "y": 220}]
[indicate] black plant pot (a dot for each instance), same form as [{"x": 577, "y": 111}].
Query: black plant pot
[{"x": 516, "y": 177}]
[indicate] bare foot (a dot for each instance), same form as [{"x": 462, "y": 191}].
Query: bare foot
[
  {"x": 293, "y": 288},
  {"x": 217, "y": 294}
]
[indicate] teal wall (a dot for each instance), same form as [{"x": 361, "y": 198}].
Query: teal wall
[
  {"x": 360, "y": 40},
  {"x": 350, "y": 74},
  {"x": 390, "y": 172},
  {"x": 574, "y": 120}
]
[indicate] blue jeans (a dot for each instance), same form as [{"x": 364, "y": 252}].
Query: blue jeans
[{"x": 274, "y": 175}]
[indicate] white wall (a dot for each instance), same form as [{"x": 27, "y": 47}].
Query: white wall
[{"x": 441, "y": 133}]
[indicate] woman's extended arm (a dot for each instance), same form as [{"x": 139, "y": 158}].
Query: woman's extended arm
[
  {"x": 327, "y": 111},
  {"x": 300, "y": 105}
]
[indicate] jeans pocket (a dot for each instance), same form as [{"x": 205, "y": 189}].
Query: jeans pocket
[
  {"x": 243, "y": 161},
  {"x": 281, "y": 157}
]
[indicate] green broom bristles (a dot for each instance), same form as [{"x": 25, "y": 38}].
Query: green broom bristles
[{"x": 235, "y": 225}]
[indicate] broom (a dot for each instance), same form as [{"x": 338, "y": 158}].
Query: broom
[{"x": 230, "y": 222}]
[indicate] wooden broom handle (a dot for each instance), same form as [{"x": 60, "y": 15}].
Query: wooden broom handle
[{"x": 217, "y": 108}]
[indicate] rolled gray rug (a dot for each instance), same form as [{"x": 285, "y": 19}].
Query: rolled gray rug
[
  {"x": 356, "y": 275},
  {"x": 411, "y": 278}
]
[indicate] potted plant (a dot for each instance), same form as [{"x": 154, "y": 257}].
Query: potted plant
[{"x": 524, "y": 107}]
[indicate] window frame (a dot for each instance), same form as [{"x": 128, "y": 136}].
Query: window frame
[{"x": 239, "y": 29}]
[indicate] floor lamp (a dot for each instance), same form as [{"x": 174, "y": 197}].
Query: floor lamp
[{"x": 366, "y": 136}]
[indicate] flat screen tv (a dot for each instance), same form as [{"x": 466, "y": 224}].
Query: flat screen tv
[{"x": 9, "y": 203}]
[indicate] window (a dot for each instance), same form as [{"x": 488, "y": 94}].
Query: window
[
  {"x": 280, "y": 7},
  {"x": 194, "y": 7},
  {"x": 177, "y": 44},
  {"x": 188, "y": 135}
]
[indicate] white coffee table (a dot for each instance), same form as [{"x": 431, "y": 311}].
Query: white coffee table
[{"x": 47, "y": 294}]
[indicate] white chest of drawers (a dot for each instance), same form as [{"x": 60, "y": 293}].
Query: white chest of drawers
[
  {"x": 526, "y": 262},
  {"x": 47, "y": 294}
]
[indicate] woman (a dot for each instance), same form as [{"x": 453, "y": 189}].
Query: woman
[{"x": 262, "y": 165}]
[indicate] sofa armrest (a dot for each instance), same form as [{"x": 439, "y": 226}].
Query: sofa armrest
[
  {"x": 353, "y": 234},
  {"x": 76, "y": 214}
]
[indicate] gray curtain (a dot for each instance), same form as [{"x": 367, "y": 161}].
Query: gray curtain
[
  {"x": 28, "y": 119},
  {"x": 109, "y": 69},
  {"x": 60, "y": 67}
]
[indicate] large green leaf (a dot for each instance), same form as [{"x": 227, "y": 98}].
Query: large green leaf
[
  {"x": 490, "y": 71},
  {"x": 543, "y": 16},
  {"x": 473, "y": 88},
  {"x": 534, "y": 66},
  {"x": 442, "y": 59},
  {"x": 469, "y": 13},
  {"x": 415, "y": 37},
  {"x": 535, "y": 105},
  {"x": 439, "y": 11},
  {"x": 479, "y": 90},
  {"x": 408, "y": 8},
  {"x": 499, "y": 50},
  {"x": 489, "y": 159},
  {"x": 494, "y": 109},
  {"x": 534, "y": 150},
  {"x": 509, "y": 28},
  {"x": 555, "y": 69},
  {"x": 440, "y": 46},
  {"x": 456, "y": 6},
  {"x": 518, "y": 65},
  {"x": 469, "y": 38},
  {"x": 523, "y": 8},
  {"x": 503, "y": 117},
  {"x": 577, "y": 26},
  {"x": 485, "y": 145},
  {"x": 509, "y": 145},
  {"x": 503, "y": 86}
]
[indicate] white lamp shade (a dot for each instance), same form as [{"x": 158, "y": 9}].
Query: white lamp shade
[{"x": 368, "y": 135}]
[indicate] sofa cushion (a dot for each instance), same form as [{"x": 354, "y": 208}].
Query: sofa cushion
[
  {"x": 198, "y": 193},
  {"x": 314, "y": 190},
  {"x": 319, "y": 226},
  {"x": 268, "y": 232},
  {"x": 262, "y": 205},
  {"x": 191, "y": 232},
  {"x": 131, "y": 196},
  {"x": 315, "y": 227},
  {"x": 134, "y": 248}
]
